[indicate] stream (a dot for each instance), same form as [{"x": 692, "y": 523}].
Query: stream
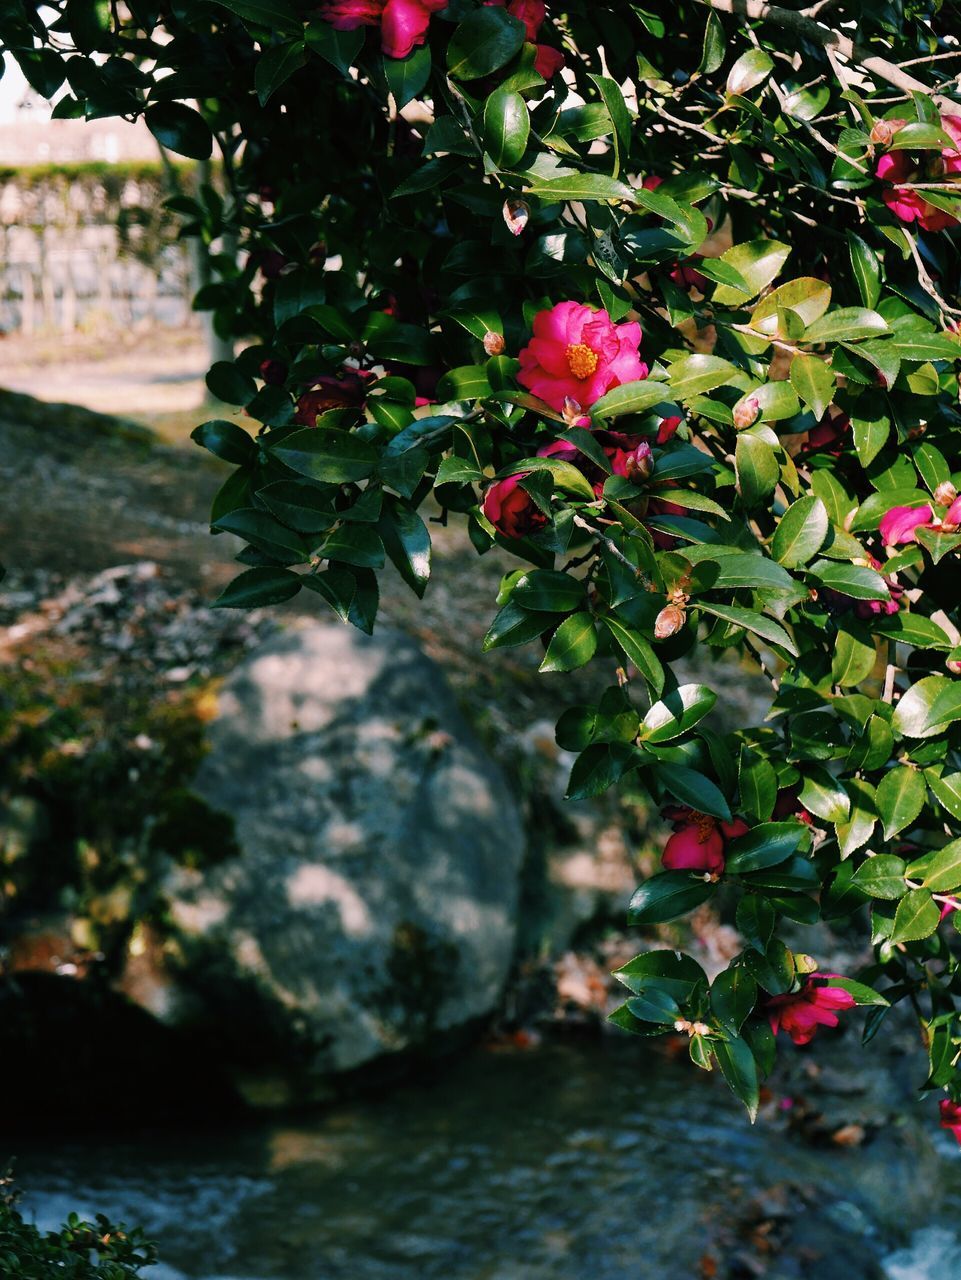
[{"x": 586, "y": 1160}]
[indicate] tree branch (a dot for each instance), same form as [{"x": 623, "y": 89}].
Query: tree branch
[{"x": 803, "y": 24}]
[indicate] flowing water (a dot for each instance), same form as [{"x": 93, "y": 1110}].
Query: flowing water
[{"x": 585, "y": 1161}]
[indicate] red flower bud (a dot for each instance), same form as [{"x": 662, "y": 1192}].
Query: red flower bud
[
  {"x": 669, "y": 622},
  {"x": 746, "y": 413},
  {"x": 516, "y": 215},
  {"x": 494, "y": 343}
]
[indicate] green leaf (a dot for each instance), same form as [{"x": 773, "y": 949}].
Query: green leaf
[
  {"x": 775, "y": 970},
  {"x": 854, "y": 654},
  {"x": 226, "y": 440},
  {"x": 813, "y": 380},
  {"x": 406, "y": 77},
  {"x": 572, "y": 644},
  {"x": 739, "y": 1069},
  {"x": 407, "y": 542},
  {"x": 766, "y": 845},
  {"x": 276, "y": 66},
  {"x": 757, "y": 468},
  {"x": 666, "y": 896},
  {"x": 750, "y": 70},
  {"x": 862, "y": 994},
  {"x": 613, "y": 98},
  {"x": 900, "y": 799},
  {"x": 513, "y": 626},
  {"x": 275, "y": 14},
  {"x": 339, "y": 48},
  {"x": 912, "y": 715},
  {"x": 867, "y": 269},
  {"x": 946, "y": 790},
  {"x": 941, "y": 870},
  {"x": 882, "y": 877},
  {"x": 749, "y": 620},
  {"x": 712, "y": 53},
  {"x": 823, "y": 795},
  {"x": 671, "y": 971},
  {"x": 486, "y": 40},
  {"x": 507, "y": 127},
  {"x": 733, "y": 997},
  {"x": 912, "y": 345},
  {"x": 801, "y": 532},
  {"x": 263, "y": 531},
  {"x": 917, "y": 917},
  {"x": 304, "y": 507},
  {"x": 599, "y": 767},
  {"x": 327, "y": 454},
  {"x": 919, "y": 136},
  {"x": 870, "y": 436},
  {"x": 467, "y": 382},
  {"x": 755, "y": 920},
  {"x": 632, "y": 397},
  {"x": 230, "y": 384},
  {"x": 846, "y": 324},
  {"x": 757, "y": 783},
  {"x": 180, "y": 129},
  {"x": 259, "y": 587},
  {"x": 693, "y": 789},
  {"x": 693, "y": 375},
  {"x": 548, "y": 591},
  {"x": 577, "y": 186},
  {"x": 758, "y": 262},
  {"x": 807, "y": 297},
  {"x": 858, "y": 829},
  {"x": 638, "y": 651},
  {"x": 851, "y": 580},
  {"x": 677, "y": 712}
]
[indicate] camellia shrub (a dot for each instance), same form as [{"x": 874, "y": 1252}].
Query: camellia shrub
[
  {"x": 660, "y": 299},
  {"x": 78, "y": 1250}
]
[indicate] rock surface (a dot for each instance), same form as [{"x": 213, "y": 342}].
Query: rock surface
[{"x": 374, "y": 905}]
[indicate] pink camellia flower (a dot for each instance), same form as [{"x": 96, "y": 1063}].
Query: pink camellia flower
[
  {"x": 629, "y": 456},
  {"x": 403, "y": 23},
  {"x": 698, "y": 841},
  {"x": 548, "y": 61},
  {"x": 579, "y": 354},
  {"x": 511, "y": 510},
  {"x": 666, "y": 430},
  {"x": 896, "y": 167},
  {"x": 829, "y": 435},
  {"x": 868, "y": 609},
  {"x": 341, "y": 392},
  {"x": 901, "y": 524},
  {"x": 951, "y": 1117},
  {"x": 800, "y": 1013}
]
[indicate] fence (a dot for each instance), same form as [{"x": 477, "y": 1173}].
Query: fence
[{"x": 89, "y": 245}]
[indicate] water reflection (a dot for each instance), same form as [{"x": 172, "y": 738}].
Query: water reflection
[{"x": 574, "y": 1162}]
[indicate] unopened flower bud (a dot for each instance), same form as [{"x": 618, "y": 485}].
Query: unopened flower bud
[
  {"x": 954, "y": 666},
  {"x": 493, "y": 343},
  {"x": 804, "y": 963},
  {"x": 572, "y": 411},
  {"x": 746, "y": 412},
  {"x": 357, "y": 350},
  {"x": 669, "y": 622},
  {"x": 945, "y": 493},
  {"x": 639, "y": 463},
  {"x": 882, "y": 131},
  {"x": 516, "y": 215},
  {"x": 273, "y": 372}
]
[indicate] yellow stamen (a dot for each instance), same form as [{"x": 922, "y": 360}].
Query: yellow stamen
[{"x": 581, "y": 360}]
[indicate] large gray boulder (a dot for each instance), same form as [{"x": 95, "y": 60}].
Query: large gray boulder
[{"x": 372, "y": 908}]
